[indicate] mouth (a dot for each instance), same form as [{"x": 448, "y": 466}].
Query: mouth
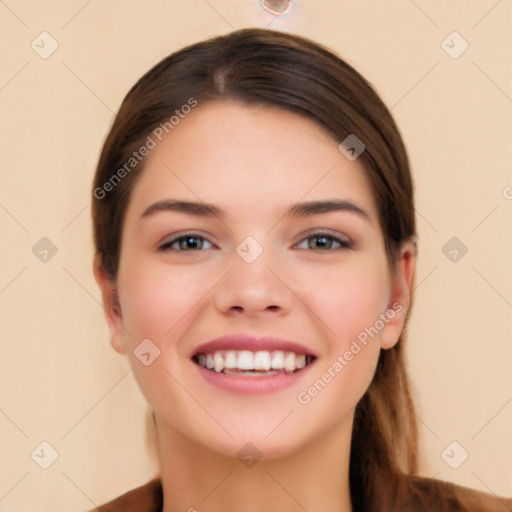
[{"x": 247, "y": 363}]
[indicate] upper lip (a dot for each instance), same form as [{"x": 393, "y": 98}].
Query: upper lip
[{"x": 253, "y": 343}]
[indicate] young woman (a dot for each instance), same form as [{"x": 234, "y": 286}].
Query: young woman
[{"x": 255, "y": 246}]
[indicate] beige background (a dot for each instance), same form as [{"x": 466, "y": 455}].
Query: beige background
[{"x": 60, "y": 380}]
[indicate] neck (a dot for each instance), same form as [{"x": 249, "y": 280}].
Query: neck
[{"x": 195, "y": 478}]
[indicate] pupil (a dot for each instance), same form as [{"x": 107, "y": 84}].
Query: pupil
[
  {"x": 323, "y": 242},
  {"x": 189, "y": 241}
]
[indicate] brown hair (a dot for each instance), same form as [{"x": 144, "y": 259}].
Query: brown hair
[{"x": 279, "y": 70}]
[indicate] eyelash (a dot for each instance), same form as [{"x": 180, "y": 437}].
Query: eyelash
[{"x": 344, "y": 244}]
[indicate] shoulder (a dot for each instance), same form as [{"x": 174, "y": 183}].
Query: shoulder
[
  {"x": 419, "y": 494},
  {"x": 430, "y": 495},
  {"x": 146, "y": 498}
]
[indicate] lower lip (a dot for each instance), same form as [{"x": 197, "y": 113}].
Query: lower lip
[{"x": 252, "y": 385}]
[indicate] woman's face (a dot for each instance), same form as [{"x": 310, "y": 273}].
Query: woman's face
[{"x": 315, "y": 277}]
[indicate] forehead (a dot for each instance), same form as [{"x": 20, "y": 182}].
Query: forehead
[{"x": 245, "y": 157}]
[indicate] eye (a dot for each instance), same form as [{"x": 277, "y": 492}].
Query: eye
[
  {"x": 324, "y": 241},
  {"x": 194, "y": 242},
  {"x": 186, "y": 242}
]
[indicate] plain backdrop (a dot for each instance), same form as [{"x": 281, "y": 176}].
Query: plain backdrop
[{"x": 62, "y": 383}]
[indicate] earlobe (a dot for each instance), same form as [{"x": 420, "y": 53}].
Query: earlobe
[
  {"x": 111, "y": 304},
  {"x": 400, "y": 299}
]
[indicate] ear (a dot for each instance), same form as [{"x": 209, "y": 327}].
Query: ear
[
  {"x": 111, "y": 304},
  {"x": 400, "y": 298}
]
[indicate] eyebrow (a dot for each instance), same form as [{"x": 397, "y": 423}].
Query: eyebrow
[{"x": 304, "y": 209}]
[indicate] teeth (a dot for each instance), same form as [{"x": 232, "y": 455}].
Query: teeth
[
  {"x": 289, "y": 361},
  {"x": 262, "y": 361},
  {"x": 259, "y": 362},
  {"x": 218, "y": 362},
  {"x": 230, "y": 360},
  {"x": 277, "y": 360},
  {"x": 245, "y": 360}
]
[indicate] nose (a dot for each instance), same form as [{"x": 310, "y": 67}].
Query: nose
[{"x": 253, "y": 289}]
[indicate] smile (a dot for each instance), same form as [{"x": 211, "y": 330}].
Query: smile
[{"x": 253, "y": 364}]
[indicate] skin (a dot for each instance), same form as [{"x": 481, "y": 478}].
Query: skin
[{"x": 254, "y": 163}]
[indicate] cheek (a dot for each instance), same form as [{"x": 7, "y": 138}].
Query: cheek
[
  {"x": 349, "y": 299},
  {"x": 350, "y": 302},
  {"x": 157, "y": 304},
  {"x": 154, "y": 300},
  {"x": 337, "y": 387}
]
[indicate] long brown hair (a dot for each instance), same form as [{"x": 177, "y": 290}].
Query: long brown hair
[{"x": 285, "y": 71}]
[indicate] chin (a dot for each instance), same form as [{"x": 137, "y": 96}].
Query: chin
[{"x": 250, "y": 449}]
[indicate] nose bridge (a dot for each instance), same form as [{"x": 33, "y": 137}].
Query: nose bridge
[{"x": 252, "y": 285}]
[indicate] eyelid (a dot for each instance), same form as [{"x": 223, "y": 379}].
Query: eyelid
[
  {"x": 171, "y": 239},
  {"x": 344, "y": 240},
  {"x": 325, "y": 231}
]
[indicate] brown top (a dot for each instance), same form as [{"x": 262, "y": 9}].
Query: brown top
[{"x": 426, "y": 495}]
